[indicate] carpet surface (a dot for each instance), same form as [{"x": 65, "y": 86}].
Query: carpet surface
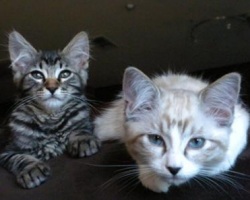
[{"x": 103, "y": 175}]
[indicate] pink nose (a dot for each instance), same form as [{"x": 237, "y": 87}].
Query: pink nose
[{"x": 51, "y": 85}]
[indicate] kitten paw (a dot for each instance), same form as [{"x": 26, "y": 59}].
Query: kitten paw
[
  {"x": 83, "y": 145},
  {"x": 33, "y": 175}
]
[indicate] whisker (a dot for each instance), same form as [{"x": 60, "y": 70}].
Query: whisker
[
  {"x": 18, "y": 104},
  {"x": 131, "y": 182},
  {"x": 94, "y": 101},
  {"x": 96, "y": 165},
  {"x": 82, "y": 99},
  {"x": 226, "y": 178},
  {"x": 239, "y": 174},
  {"x": 127, "y": 176},
  {"x": 119, "y": 177},
  {"x": 197, "y": 180},
  {"x": 211, "y": 183}
]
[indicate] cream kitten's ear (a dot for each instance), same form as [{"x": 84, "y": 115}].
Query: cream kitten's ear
[
  {"x": 220, "y": 97},
  {"x": 139, "y": 93},
  {"x": 77, "y": 51},
  {"x": 22, "y": 53}
]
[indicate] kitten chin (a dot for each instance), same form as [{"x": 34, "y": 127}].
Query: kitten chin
[
  {"x": 53, "y": 104},
  {"x": 177, "y": 127},
  {"x": 154, "y": 183},
  {"x": 158, "y": 182}
]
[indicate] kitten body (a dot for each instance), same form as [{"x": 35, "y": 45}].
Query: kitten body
[
  {"x": 177, "y": 127},
  {"x": 52, "y": 113}
]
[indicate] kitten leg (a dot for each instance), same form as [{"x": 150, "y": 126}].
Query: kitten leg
[
  {"x": 82, "y": 144},
  {"x": 33, "y": 175},
  {"x": 30, "y": 172}
]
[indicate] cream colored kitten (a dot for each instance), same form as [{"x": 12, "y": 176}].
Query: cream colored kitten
[{"x": 177, "y": 127}]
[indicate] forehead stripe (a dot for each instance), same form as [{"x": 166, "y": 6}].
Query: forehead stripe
[
  {"x": 170, "y": 123},
  {"x": 50, "y": 57},
  {"x": 41, "y": 65}
]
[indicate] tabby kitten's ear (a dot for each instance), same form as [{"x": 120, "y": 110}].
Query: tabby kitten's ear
[
  {"x": 22, "y": 53},
  {"x": 139, "y": 93},
  {"x": 77, "y": 51},
  {"x": 220, "y": 97}
]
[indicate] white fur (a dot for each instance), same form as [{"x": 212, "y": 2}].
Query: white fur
[
  {"x": 178, "y": 98},
  {"x": 110, "y": 125}
]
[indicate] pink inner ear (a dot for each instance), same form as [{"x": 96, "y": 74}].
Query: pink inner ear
[
  {"x": 81, "y": 63},
  {"x": 21, "y": 65},
  {"x": 128, "y": 106},
  {"x": 79, "y": 60},
  {"x": 222, "y": 116},
  {"x": 126, "y": 103}
]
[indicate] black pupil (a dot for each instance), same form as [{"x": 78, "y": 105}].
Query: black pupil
[
  {"x": 65, "y": 74},
  {"x": 37, "y": 75},
  {"x": 157, "y": 138},
  {"x": 197, "y": 140}
]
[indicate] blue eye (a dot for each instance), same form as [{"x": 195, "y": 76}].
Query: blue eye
[
  {"x": 155, "y": 139},
  {"x": 196, "y": 143}
]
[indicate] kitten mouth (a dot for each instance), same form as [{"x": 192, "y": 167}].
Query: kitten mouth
[
  {"x": 177, "y": 180},
  {"x": 52, "y": 97}
]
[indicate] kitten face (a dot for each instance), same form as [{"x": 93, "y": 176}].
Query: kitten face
[
  {"x": 176, "y": 134},
  {"x": 176, "y": 142},
  {"x": 50, "y": 77},
  {"x": 53, "y": 83}
]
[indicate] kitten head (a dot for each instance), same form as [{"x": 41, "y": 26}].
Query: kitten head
[
  {"x": 50, "y": 77},
  {"x": 175, "y": 135}
]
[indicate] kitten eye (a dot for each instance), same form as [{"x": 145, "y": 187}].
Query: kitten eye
[
  {"x": 196, "y": 143},
  {"x": 37, "y": 75},
  {"x": 155, "y": 139},
  {"x": 65, "y": 74}
]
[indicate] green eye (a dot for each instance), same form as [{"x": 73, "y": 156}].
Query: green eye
[
  {"x": 155, "y": 139},
  {"x": 37, "y": 75},
  {"x": 65, "y": 74},
  {"x": 196, "y": 143}
]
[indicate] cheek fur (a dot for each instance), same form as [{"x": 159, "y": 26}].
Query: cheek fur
[
  {"x": 189, "y": 169},
  {"x": 143, "y": 151},
  {"x": 31, "y": 86},
  {"x": 209, "y": 156}
]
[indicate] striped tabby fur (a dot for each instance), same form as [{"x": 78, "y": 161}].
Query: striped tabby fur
[{"x": 52, "y": 113}]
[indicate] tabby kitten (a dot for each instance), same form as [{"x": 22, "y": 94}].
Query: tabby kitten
[
  {"x": 52, "y": 113},
  {"x": 177, "y": 127}
]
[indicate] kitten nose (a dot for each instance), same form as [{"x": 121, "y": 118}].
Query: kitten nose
[
  {"x": 52, "y": 90},
  {"x": 51, "y": 85},
  {"x": 174, "y": 170}
]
